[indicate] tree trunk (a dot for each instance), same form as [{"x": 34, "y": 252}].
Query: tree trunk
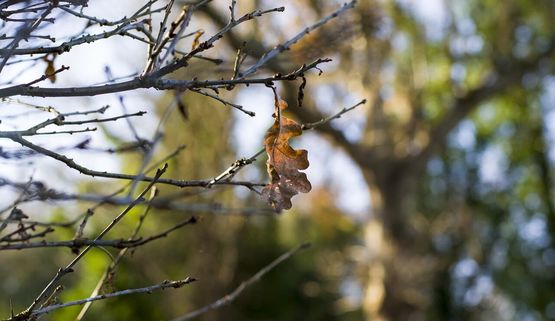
[{"x": 401, "y": 272}]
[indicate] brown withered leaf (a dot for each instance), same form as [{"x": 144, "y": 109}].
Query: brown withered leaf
[{"x": 284, "y": 162}]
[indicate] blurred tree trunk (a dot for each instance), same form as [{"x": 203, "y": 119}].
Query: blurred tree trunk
[{"x": 406, "y": 277}]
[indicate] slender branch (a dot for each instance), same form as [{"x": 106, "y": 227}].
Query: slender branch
[
  {"x": 210, "y": 42},
  {"x": 24, "y": 236},
  {"x": 225, "y": 102},
  {"x": 78, "y": 243},
  {"x": 110, "y": 269},
  {"x": 156, "y": 287},
  {"x": 60, "y": 121},
  {"x": 243, "y": 286},
  {"x": 75, "y": 131},
  {"x": 230, "y": 172},
  {"x": 102, "y": 120},
  {"x": 158, "y": 46},
  {"x": 48, "y": 75},
  {"x": 69, "y": 268},
  {"x": 286, "y": 45},
  {"x": 183, "y": 23},
  {"x": 39, "y": 191},
  {"x": 103, "y": 22},
  {"x": 22, "y": 33},
  {"x": 332, "y": 117},
  {"x": 86, "y": 171},
  {"x": 68, "y": 45}
]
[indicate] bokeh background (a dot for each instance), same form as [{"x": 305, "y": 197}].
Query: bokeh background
[{"x": 433, "y": 201}]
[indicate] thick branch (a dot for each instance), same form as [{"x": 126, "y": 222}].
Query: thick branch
[{"x": 151, "y": 81}]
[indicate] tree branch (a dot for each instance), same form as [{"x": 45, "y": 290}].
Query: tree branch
[
  {"x": 78, "y": 243},
  {"x": 149, "y": 289},
  {"x": 69, "y": 267},
  {"x": 150, "y": 81},
  {"x": 243, "y": 286}
]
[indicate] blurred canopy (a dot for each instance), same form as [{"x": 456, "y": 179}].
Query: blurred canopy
[{"x": 456, "y": 147}]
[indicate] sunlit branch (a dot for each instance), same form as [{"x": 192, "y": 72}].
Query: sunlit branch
[
  {"x": 286, "y": 45},
  {"x": 225, "y": 102},
  {"x": 150, "y": 81},
  {"x": 165, "y": 56}
]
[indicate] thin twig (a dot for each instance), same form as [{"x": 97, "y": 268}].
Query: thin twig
[
  {"x": 78, "y": 243},
  {"x": 68, "y": 45},
  {"x": 243, "y": 286},
  {"x": 332, "y": 117},
  {"x": 41, "y": 192},
  {"x": 103, "y": 22},
  {"x": 69, "y": 267},
  {"x": 111, "y": 268},
  {"x": 230, "y": 172},
  {"x": 22, "y": 33},
  {"x": 225, "y": 102},
  {"x": 86, "y": 171},
  {"x": 286, "y": 45},
  {"x": 160, "y": 286}
]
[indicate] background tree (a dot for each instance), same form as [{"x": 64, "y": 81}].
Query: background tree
[{"x": 439, "y": 79}]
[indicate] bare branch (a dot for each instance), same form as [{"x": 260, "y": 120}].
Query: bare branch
[
  {"x": 225, "y": 102},
  {"x": 156, "y": 287},
  {"x": 103, "y": 22},
  {"x": 285, "y": 46},
  {"x": 69, "y": 268},
  {"x": 151, "y": 81},
  {"x": 332, "y": 117},
  {"x": 243, "y": 286},
  {"x": 23, "y": 33},
  {"x": 230, "y": 172},
  {"x": 67, "y": 46},
  {"x": 165, "y": 56},
  {"x": 79, "y": 243}
]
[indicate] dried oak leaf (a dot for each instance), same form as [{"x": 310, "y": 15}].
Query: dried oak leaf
[{"x": 284, "y": 162}]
